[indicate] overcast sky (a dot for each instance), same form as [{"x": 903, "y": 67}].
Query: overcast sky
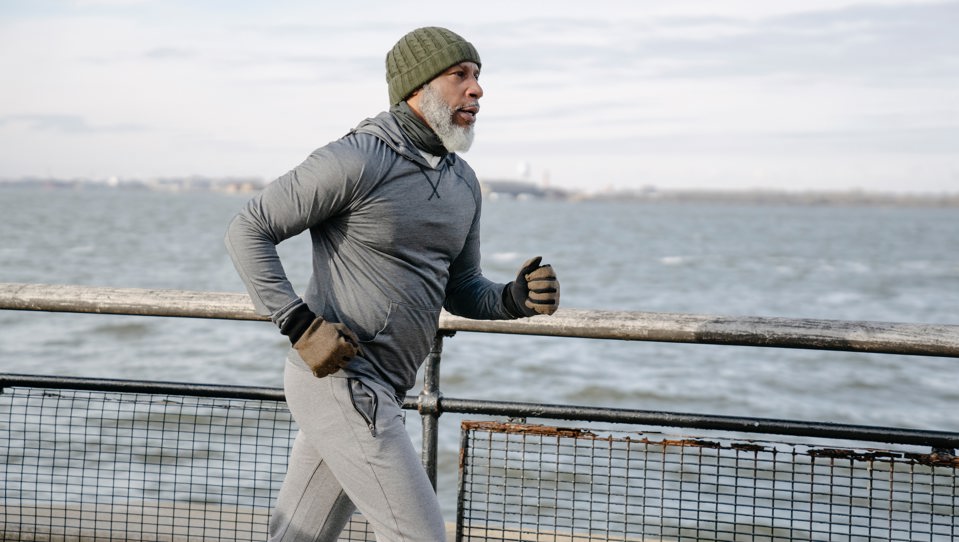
[{"x": 592, "y": 95}]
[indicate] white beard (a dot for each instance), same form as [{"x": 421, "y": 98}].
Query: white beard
[{"x": 439, "y": 115}]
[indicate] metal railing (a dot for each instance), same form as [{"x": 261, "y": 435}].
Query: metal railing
[
  {"x": 815, "y": 334},
  {"x": 855, "y": 336}
]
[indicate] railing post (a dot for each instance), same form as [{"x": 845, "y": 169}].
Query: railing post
[{"x": 428, "y": 405}]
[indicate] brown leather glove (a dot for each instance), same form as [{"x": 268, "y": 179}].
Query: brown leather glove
[
  {"x": 535, "y": 290},
  {"x": 327, "y": 347}
]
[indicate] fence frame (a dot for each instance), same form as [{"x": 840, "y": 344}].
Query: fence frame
[{"x": 768, "y": 332}]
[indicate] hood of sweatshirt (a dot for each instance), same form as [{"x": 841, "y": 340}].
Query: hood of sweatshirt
[{"x": 385, "y": 127}]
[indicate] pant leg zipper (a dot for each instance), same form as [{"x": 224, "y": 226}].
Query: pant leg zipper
[{"x": 370, "y": 418}]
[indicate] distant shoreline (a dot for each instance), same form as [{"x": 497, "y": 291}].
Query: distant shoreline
[
  {"x": 836, "y": 198},
  {"x": 520, "y": 190}
]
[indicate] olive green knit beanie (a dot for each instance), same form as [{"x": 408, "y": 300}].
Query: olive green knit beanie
[{"x": 420, "y": 56}]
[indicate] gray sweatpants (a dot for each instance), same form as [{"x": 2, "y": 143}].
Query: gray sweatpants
[{"x": 352, "y": 451}]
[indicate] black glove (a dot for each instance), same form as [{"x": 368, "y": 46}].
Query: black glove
[
  {"x": 535, "y": 290},
  {"x": 325, "y": 346}
]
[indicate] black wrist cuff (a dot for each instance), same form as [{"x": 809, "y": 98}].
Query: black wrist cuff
[
  {"x": 297, "y": 323},
  {"x": 509, "y": 303}
]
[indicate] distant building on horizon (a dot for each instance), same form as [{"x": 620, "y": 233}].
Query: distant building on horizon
[{"x": 510, "y": 189}]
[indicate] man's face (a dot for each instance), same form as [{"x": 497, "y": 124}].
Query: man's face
[
  {"x": 449, "y": 104},
  {"x": 460, "y": 89}
]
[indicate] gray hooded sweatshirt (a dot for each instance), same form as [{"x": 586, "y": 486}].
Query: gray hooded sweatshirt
[{"x": 394, "y": 241}]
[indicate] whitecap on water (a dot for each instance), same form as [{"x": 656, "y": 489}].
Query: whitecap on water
[
  {"x": 504, "y": 257},
  {"x": 673, "y": 260}
]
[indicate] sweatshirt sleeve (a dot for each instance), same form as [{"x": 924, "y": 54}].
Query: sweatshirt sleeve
[
  {"x": 306, "y": 196},
  {"x": 468, "y": 292}
]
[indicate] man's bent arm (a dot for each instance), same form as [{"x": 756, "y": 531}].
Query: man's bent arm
[{"x": 302, "y": 198}]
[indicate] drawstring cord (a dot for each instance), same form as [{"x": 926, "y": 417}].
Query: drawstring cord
[
  {"x": 435, "y": 186},
  {"x": 447, "y": 163}
]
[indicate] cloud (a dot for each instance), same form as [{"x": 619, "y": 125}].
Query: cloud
[
  {"x": 875, "y": 42},
  {"x": 169, "y": 53},
  {"x": 70, "y": 124},
  {"x": 879, "y": 43}
]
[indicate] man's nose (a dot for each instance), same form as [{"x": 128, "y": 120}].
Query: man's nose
[{"x": 475, "y": 90}]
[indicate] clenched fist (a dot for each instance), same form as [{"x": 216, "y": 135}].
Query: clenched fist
[
  {"x": 535, "y": 290},
  {"x": 327, "y": 347}
]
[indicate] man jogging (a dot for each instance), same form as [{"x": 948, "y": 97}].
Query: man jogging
[{"x": 394, "y": 217}]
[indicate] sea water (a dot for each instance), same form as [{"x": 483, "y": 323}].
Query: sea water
[{"x": 898, "y": 264}]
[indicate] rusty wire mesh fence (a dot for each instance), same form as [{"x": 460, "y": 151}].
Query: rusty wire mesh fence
[
  {"x": 96, "y": 464},
  {"x": 530, "y": 482},
  {"x": 103, "y": 465}
]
